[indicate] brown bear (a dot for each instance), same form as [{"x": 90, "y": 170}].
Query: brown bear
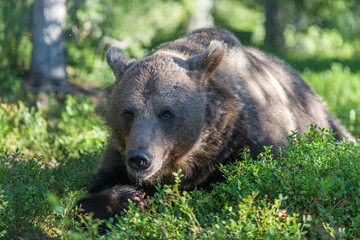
[{"x": 190, "y": 105}]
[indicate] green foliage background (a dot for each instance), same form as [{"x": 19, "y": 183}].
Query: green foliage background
[
  {"x": 49, "y": 151},
  {"x": 317, "y": 34}
]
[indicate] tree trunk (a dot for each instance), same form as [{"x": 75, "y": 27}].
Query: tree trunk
[
  {"x": 48, "y": 62},
  {"x": 201, "y": 17},
  {"x": 275, "y": 23}
]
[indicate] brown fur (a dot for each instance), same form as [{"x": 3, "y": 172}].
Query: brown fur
[{"x": 192, "y": 104}]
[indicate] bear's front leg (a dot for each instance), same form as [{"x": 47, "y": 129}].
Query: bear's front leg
[
  {"x": 110, "y": 202},
  {"x": 111, "y": 171}
]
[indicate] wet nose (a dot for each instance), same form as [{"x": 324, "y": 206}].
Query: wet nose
[{"x": 139, "y": 159}]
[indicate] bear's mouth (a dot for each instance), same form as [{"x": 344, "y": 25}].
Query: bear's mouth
[
  {"x": 150, "y": 175},
  {"x": 144, "y": 175}
]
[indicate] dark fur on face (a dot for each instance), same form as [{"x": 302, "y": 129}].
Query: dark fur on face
[{"x": 192, "y": 104}]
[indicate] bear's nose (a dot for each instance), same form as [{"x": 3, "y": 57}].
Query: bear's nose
[{"x": 139, "y": 159}]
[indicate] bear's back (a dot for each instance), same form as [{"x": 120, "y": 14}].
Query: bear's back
[
  {"x": 273, "y": 96},
  {"x": 197, "y": 41}
]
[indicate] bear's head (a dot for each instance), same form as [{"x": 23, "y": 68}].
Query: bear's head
[{"x": 157, "y": 108}]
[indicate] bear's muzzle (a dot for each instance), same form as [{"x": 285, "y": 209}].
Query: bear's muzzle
[{"x": 139, "y": 160}]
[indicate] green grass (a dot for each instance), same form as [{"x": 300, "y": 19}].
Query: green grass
[
  {"x": 339, "y": 88},
  {"x": 73, "y": 126},
  {"x": 47, "y": 156}
]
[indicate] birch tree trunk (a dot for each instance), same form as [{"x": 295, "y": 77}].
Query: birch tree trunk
[
  {"x": 201, "y": 17},
  {"x": 48, "y": 62}
]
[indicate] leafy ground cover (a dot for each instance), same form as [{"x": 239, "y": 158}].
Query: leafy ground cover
[{"x": 47, "y": 156}]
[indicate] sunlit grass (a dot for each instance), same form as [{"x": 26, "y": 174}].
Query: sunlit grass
[
  {"x": 74, "y": 127},
  {"x": 311, "y": 191},
  {"x": 339, "y": 88}
]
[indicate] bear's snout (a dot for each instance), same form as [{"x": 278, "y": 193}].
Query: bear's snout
[{"x": 139, "y": 159}]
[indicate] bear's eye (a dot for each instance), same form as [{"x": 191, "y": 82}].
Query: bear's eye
[
  {"x": 165, "y": 115},
  {"x": 128, "y": 115}
]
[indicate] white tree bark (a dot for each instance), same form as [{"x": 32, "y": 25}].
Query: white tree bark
[
  {"x": 48, "y": 62},
  {"x": 202, "y": 15}
]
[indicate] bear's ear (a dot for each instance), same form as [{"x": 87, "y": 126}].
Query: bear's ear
[
  {"x": 210, "y": 59},
  {"x": 118, "y": 61}
]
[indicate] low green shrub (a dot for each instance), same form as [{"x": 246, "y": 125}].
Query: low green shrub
[
  {"x": 318, "y": 175},
  {"x": 174, "y": 214},
  {"x": 36, "y": 131},
  {"x": 29, "y": 189},
  {"x": 47, "y": 158},
  {"x": 311, "y": 191}
]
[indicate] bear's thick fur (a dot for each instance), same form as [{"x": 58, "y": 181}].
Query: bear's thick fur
[{"x": 192, "y": 104}]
